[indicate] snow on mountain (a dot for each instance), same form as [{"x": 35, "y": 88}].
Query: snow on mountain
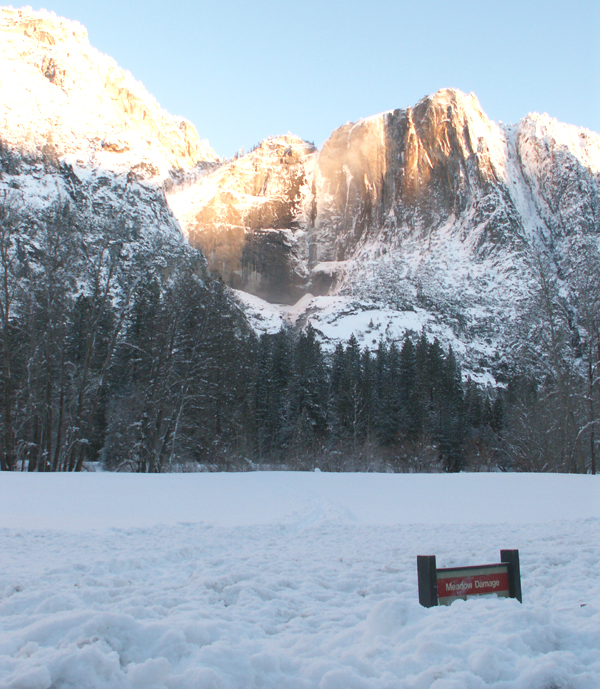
[
  {"x": 432, "y": 210},
  {"x": 561, "y": 165},
  {"x": 56, "y": 90},
  {"x": 424, "y": 218},
  {"x": 77, "y": 129},
  {"x": 336, "y": 318}
]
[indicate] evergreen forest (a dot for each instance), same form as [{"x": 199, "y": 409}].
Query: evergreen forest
[{"x": 119, "y": 350}]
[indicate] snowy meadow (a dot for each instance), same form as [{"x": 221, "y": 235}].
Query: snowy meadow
[{"x": 293, "y": 581}]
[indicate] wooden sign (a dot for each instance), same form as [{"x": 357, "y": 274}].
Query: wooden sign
[{"x": 443, "y": 586}]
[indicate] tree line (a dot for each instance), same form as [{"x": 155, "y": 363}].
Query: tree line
[
  {"x": 121, "y": 349},
  {"x": 554, "y": 396},
  {"x": 110, "y": 340},
  {"x": 400, "y": 408},
  {"x": 117, "y": 347}
]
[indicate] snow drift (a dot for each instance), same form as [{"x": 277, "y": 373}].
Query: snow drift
[{"x": 293, "y": 580}]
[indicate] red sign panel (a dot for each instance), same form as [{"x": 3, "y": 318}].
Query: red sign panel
[{"x": 472, "y": 581}]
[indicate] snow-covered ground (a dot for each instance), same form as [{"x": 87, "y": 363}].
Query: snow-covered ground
[{"x": 293, "y": 580}]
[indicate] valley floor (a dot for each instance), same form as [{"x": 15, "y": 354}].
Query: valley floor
[{"x": 293, "y": 581}]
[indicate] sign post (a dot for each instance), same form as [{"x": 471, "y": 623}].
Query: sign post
[
  {"x": 428, "y": 596},
  {"x": 511, "y": 557},
  {"x": 444, "y": 586}
]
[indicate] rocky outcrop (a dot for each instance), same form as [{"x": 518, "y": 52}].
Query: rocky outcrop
[
  {"x": 410, "y": 172},
  {"x": 406, "y": 182},
  {"x": 561, "y": 165},
  {"x": 77, "y": 131},
  {"x": 249, "y": 218}
]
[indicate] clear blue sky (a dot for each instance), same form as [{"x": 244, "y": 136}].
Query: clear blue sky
[{"x": 241, "y": 71}]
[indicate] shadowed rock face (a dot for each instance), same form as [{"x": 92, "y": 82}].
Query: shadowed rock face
[
  {"x": 284, "y": 220},
  {"x": 566, "y": 187}
]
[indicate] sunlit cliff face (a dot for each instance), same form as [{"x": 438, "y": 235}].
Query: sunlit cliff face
[
  {"x": 249, "y": 218},
  {"x": 411, "y": 168},
  {"x": 445, "y": 148},
  {"x": 349, "y": 181},
  {"x": 282, "y": 220},
  {"x": 58, "y": 91}
]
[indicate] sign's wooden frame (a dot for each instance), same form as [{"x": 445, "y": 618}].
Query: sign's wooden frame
[{"x": 444, "y": 586}]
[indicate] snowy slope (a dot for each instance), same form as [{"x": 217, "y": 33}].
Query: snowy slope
[
  {"x": 336, "y": 318},
  {"x": 293, "y": 580}
]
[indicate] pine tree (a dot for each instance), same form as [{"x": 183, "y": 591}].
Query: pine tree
[
  {"x": 411, "y": 403},
  {"x": 451, "y": 429},
  {"x": 308, "y": 388}
]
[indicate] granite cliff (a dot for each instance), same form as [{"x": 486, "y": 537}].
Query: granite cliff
[
  {"x": 57, "y": 91},
  {"x": 77, "y": 129},
  {"x": 249, "y": 219},
  {"x": 433, "y": 212},
  {"x": 402, "y": 175}
]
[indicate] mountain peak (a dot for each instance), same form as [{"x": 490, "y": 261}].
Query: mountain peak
[
  {"x": 43, "y": 26},
  {"x": 427, "y": 210},
  {"x": 57, "y": 90},
  {"x": 451, "y": 95}
]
